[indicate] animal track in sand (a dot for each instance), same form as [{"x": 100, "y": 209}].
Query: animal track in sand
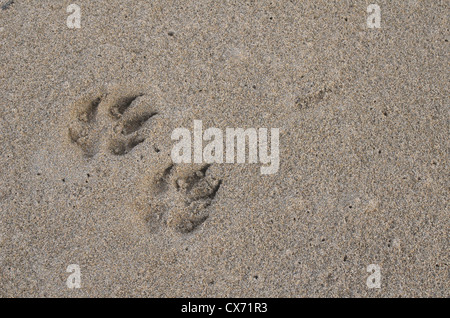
[
  {"x": 114, "y": 126},
  {"x": 315, "y": 97},
  {"x": 182, "y": 198},
  {"x": 172, "y": 196}
]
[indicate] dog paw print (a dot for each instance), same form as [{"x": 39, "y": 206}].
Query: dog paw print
[
  {"x": 183, "y": 198},
  {"x": 114, "y": 125}
]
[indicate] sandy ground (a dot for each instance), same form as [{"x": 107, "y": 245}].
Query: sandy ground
[{"x": 364, "y": 138}]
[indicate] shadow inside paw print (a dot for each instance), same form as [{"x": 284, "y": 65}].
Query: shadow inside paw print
[
  {"x": 107, "y": 124},
  {"x": 183, "y": 198}
]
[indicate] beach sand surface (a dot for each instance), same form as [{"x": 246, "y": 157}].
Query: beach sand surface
[{"x": 86, "y": 175}]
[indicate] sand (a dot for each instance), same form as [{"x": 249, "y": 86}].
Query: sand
[{"x": 86, "y": 177}]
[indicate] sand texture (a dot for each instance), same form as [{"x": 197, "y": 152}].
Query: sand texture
[{"x": 87, "y": 178}]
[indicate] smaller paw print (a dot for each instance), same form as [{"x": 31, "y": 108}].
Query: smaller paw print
[
  {"x": 111, "y": 125},
  {"x": 183, "y": 198}
]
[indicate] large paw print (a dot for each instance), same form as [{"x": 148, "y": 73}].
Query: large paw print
[
  {"x": 111, "y": 124},
  {"x": 182, "y": 198}
]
